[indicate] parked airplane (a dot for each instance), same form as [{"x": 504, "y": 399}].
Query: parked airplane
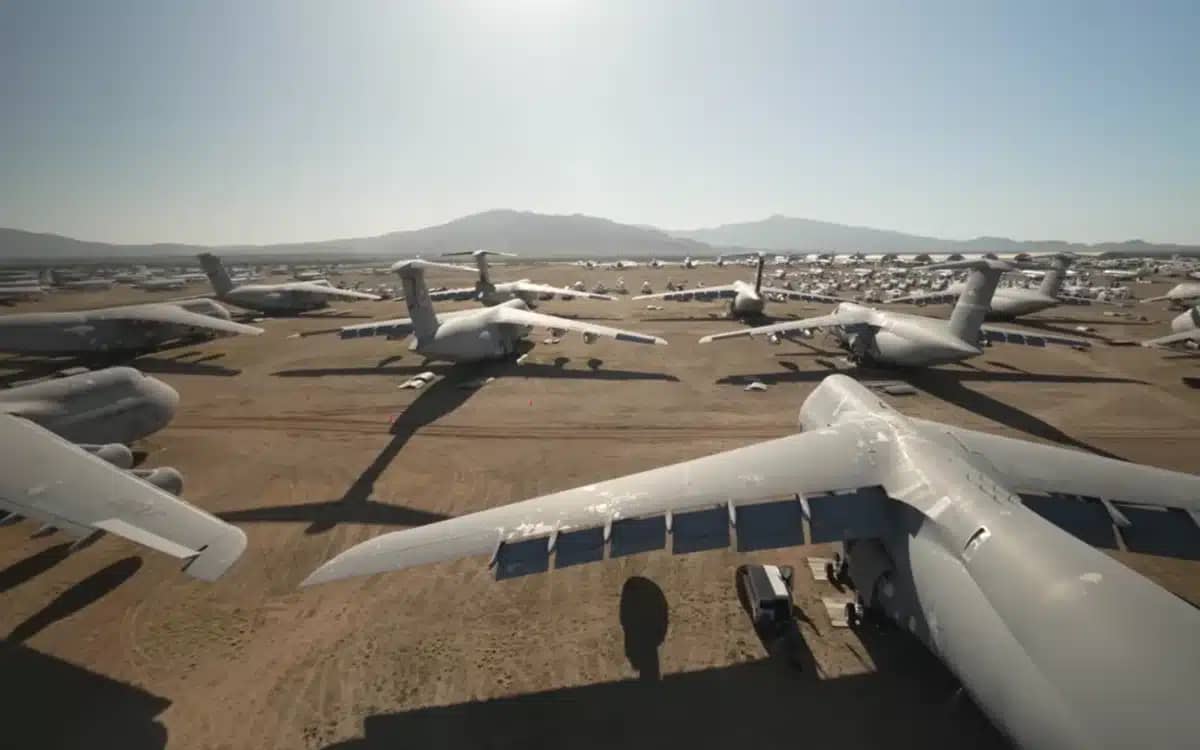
[
  {"x": 87, "y": 489},
  {"x": 490, "y": 293},
  {"x": 129, "y": 328},
  {"x": 745, "y": 300},
  {"x": 1180, "y": 295},
  {"x": 882, "y": 337},
  {"x": 1012, "y": 302},
  {"x": 20, "y": 291},
  {"x": 1184, "y": 327},
  {"x": 287, "y": 298},
  {"x": 476, "y": 334},
  {"x": 1060, "y": 645}
]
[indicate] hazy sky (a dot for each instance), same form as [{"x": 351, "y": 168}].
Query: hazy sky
[{"x": 249, "y": 121}]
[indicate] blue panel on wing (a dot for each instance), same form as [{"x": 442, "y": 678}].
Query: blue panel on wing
[
  {"x": 1086, "y": 520},
  {"x": 1169, "y": 532},
  {"x": 634, "y": 535},
  {"x": 700, "y": 530},
  {"x": 579, "y": 547},
  {"x": 855, "y": 514},
  {"x": 522, "y": 559},
  {"x": 770, "y": 525}
]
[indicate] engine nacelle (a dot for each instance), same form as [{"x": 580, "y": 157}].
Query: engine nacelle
[
  {"x": 115, "y": 453},
  {"x": 589, "y": 337},
  {"x": 164, "y": 477}
]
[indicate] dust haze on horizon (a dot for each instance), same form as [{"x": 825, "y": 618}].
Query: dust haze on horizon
[{"x": 271, "y": 122}]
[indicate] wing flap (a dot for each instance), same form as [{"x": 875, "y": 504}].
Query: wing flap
[
  {"x": 394, "y": 329},
  {"x": 175, "y": 315},
  {"x": 698, "y": 293},
  {"x": 530, "y": 288},
  {"x": 821, "y": 321},
  {"x": 1028, "y": 338},
  {"x": 54, "y": 481},
  {"x": 809, "y": 463}
]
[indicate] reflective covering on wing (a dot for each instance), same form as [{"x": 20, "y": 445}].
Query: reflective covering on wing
[
  {"x": 519, "y": 317},
  {"x": 1036, "y": 467},
  {"x": 395, "y": 328},
  {"x": 699, "y": 293},
  {"x": 51, "y": 480},
  {"x": 821, "y": 321},
  {"x": 311, "y": 287},
  {"x": 804, "y": 296},
  {"x": 176, "y": 315},
  {"x": 693, "y": 501},
  {"x": 1174, "y": 338},
  {"x": 1028, "y": 338},
  {"x": 526, "y": 287}
]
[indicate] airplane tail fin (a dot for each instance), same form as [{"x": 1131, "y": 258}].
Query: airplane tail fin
[
  {"x": 416, "y": 297},
  {"x": 983, "y": 276},
  {"x": 758, "y": 275},
  {"x": 217, "y": 275},
  {"x": 1052, "y": 281}
]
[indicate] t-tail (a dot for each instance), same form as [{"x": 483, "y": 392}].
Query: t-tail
[
  {"x": 983, "y": 276},
  {"x": 1053, "y": 280},
  {"x": 416, "y": 297},
  {"x": 217, "y": 275},
  {"x": 758, "y": 275}
]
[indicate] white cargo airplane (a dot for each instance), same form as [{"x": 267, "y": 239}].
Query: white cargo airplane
[
  {"x": 746, "y": 300},
  {"x": 1185, "y": 327},
  {"x": 882, "y": 337},
  {"x": 490, "y": 293},
  {"x": 1180, "y": 295},
  {"x": 287, "y": 298},
  {"x": 1059, "y": 644},
  {"x": 64, "y": 464},
  {"x": 476, "y": 334}
]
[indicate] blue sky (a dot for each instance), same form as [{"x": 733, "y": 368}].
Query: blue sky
[{"x": 255, "y": 121}]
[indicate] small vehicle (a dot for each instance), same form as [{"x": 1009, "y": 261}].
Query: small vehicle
[{"x": 768, "y": 591}]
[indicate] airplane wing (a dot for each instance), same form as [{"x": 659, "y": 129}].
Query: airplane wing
[
  {"x": 1028, "y": 338},
  {"x": 309, "y": 287},
  {"x": 530, "y": 288},
  {"x": 821, "y": 321},
  {"x": 1070, "y": 299},
  {"x": 699, "y": 293},
  {"x": 519, "y": 317},
  {"x": 926, "y": 298},
  {"x": 1174, "y": 338},
  {"x": 463, "y": 293},
  {"x": 52, "y": 480},
  {"x": 1037, "y": 467},
  {"x": 805, "y": 296},
  {"x": 175, "y": 315},
  {"x": 727, "y": 485},
  {"x": 397, "y": 328}
]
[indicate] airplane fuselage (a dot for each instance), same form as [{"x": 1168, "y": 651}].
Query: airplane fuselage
[
  {"x": 1012, "y": 302},
  {"x": 907, "y": 341},
  {"x": 466, "y": 338},
  {"x": 91, "y": 332},
  {"x": 746, "y": 302},
  {"x": 116, "y": 405},
  {"x": 270, "y": 298},
  {"x": 1049, "y": 635}
]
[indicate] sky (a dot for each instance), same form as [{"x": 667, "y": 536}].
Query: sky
[{"x": 261, "y": 121}]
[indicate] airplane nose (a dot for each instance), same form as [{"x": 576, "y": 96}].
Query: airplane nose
[{"x": 163, "y": 401}]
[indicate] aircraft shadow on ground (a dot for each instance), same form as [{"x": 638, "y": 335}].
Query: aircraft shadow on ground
[
  {"x": 187, "y": 363},
  {"x": 61, "y": 705},
  {"x": 78, "y": 596},
  {"x": 948, "y": 385},
  {"x": 30, "y": 567},
  {"x": 766, "y": 703},
  {"x": 456, "y": 385}
]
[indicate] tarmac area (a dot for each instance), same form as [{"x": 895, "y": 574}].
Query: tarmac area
[{"x": 306, "y": 443}]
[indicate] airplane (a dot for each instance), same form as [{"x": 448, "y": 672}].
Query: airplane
[
  {"x": 1185, "y": 327},
  {"x": 20, "y": 291},
  {"x": 1012, "y": 302},
  {"x": 1180, "y": 295},
  {"x": 881, "y": 337},
  {"x": 65, "y": 464},
  {"x": 745, "y": 299},
  {"x": 1058, "y": 643},
  {"x": 159, "y": 284},
  {"x": 287, "y": 298},
  {"x": 128, "y": 328},
  {"x": 476, "y": 334},
  {"x": 490, "y": 293}
]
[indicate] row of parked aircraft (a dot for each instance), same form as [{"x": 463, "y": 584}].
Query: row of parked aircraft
[{"x": 1046, "y": 633}]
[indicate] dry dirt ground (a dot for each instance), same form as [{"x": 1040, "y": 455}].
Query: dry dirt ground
[{"x": 292, "y": 438}]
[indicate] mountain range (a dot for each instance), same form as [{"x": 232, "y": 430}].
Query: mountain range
[{"x": 576, "y": 236}]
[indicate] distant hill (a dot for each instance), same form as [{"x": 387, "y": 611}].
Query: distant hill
[
  {"x": 531, "y": 234},
  {"x": 784, "y": 233},
  {"x": 575, "y": 236}
]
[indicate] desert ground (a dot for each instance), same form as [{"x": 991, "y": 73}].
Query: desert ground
[{"x": 305, "y": 442}]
